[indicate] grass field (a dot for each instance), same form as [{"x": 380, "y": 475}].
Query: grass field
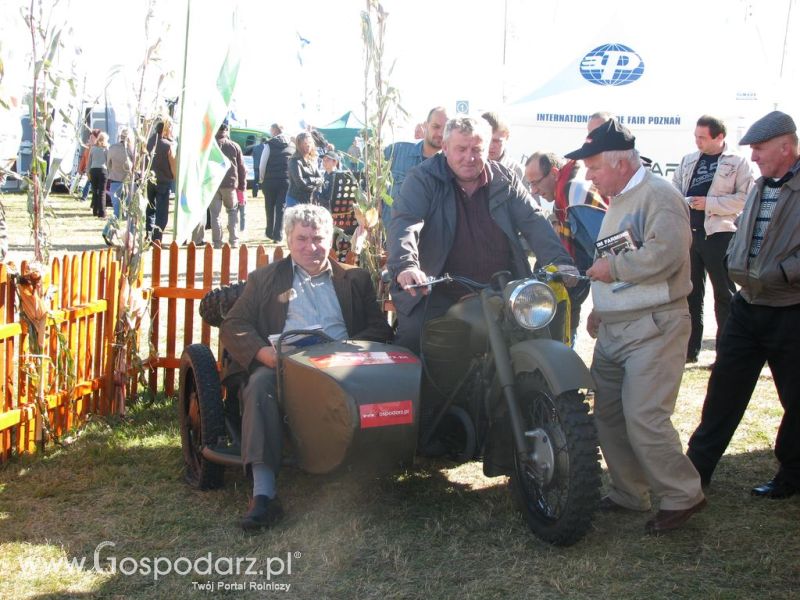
[{"x": 115, "y": 498}]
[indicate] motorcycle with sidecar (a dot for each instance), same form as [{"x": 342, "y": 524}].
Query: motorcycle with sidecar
[{"x": 497, "y": 383}]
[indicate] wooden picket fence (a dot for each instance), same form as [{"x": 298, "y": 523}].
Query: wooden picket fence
[
  {"x": 81, "y": 315},
  {"x": 84, "y": 312},
  {"x": 173, "y": 307}
]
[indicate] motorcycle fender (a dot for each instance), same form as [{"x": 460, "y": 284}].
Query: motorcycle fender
[{"x": 560, "y": 365}]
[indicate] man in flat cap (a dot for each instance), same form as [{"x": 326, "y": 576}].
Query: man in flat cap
[
  {"x": 641, "y": 322},
  {"x": 764, "y": 259}
]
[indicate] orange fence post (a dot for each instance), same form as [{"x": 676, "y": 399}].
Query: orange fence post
[
  {"x": 111, "y": 318},
  {"x": 172, "y": 317},
  {"x": 208, "y": 281},
  {"x": 188, "y": 305},
  {"x": 155, "y": 282}
]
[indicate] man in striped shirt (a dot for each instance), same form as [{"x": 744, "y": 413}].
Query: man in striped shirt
[{"x": 764, "y": 259}]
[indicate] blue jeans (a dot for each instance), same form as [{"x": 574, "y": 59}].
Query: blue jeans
[
  {"x": 157, "y": 213},
  {"x": 115, "y": 190}
]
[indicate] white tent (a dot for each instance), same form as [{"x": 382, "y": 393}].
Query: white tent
[{"x": 658, "y": 75}]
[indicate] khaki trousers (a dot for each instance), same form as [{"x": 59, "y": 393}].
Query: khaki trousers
[
  {"x": 224, "y": 198},
  {"x": 637, "y": 369}
]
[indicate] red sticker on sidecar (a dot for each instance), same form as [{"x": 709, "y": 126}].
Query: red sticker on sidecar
[
  {"x": 357, "y": 359},
  {"x": 386, "y": 413}
]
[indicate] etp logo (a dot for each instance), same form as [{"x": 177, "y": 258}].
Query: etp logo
[{"x": 612, "y": 64}]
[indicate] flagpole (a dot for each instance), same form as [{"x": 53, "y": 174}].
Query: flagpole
[{"x": 180, "y": 130}]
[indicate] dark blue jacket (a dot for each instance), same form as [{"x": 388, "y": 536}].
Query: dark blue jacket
[{"x": 423, "y": 224}]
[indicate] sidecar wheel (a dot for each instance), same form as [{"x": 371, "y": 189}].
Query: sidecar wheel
[
  {"x": 216, "y": 303},
  {"x": 557, "y": 484},
  {"x": 201, "y": 416}
]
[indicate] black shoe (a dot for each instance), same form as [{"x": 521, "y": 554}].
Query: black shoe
[
  {"x": 262, "y": 514},
  {"x": 691, "y": 358},
  {"x": 776, "y": 489}
]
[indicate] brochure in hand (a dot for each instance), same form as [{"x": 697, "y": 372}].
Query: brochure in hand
[
  {"x": 618, "y": 243},
  {"x": 615, "y": 244}
]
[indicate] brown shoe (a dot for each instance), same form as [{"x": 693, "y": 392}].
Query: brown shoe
[{"x": 667, "y": 520}]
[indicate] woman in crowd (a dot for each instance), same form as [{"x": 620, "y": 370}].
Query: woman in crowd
[
  {"x": 83, "y": 164},
  {"x": 304, "y": 176},
  {"x": 98, "y": 174},
  {"x": 120, "y": 165}
]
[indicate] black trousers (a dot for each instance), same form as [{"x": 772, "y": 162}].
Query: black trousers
[
  {"x": 274, "y": 200},
  {"x": 753, "y": 335},
  {"x": 98, "y": 177},
  {"x": 707, "y": 255}
]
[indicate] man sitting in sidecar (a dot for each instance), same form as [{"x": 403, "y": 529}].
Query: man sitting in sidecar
[{"x": 303, "y": 291}]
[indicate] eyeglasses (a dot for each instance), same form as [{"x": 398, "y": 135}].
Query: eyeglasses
[{"x": 532, "y": 184}]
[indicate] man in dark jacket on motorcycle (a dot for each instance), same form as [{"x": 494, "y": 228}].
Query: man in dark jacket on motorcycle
[
  {"x": 462, "y": 214},
  {"x": 303, "y": 290}
]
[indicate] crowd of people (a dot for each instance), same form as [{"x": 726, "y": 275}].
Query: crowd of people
[{"x": 462, "y": 206}]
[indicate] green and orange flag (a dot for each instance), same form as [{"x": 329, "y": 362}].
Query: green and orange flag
[{"x": 201, "y": 164}]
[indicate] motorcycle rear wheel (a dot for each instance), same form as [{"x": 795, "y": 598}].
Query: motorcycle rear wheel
[{"x": 557, "y": 484}]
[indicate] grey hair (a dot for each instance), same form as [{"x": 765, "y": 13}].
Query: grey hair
[
  {"x": 309, "y": 215},
  {"x": 614, "y": 157},
  {"x": 469, "y": 126}
]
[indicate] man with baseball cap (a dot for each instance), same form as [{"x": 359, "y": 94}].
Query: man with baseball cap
[
  {"x": 330, "y": 165},
  {"x": 764, "y": 259},
  {"x": 641, "y": 321}
]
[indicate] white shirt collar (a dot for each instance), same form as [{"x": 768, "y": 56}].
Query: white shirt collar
[{"x": 635, "y": 180}]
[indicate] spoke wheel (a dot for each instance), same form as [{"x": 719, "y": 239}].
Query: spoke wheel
[
  {"x": 201, "y": 417},
  {"x": 557, "y": 482}
]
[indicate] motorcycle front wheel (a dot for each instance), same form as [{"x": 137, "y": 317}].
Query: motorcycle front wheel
[{"x": 557, "y": 482}]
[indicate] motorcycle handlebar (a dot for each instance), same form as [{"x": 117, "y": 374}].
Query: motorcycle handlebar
[
  {"x": 539, "y": 274},
  {"x": 447, "y": 278}
]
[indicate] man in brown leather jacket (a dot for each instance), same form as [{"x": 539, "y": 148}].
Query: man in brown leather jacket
[{"x": 303, "y": 290}]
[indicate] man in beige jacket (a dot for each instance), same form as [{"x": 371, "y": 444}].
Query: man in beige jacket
[{"x": 715, "y": 181}]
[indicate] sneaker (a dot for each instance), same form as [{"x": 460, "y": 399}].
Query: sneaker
[{"x": 263, "y": 513}]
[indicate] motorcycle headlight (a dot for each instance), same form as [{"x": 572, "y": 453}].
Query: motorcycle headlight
[{"x": 532, "y": 303}]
